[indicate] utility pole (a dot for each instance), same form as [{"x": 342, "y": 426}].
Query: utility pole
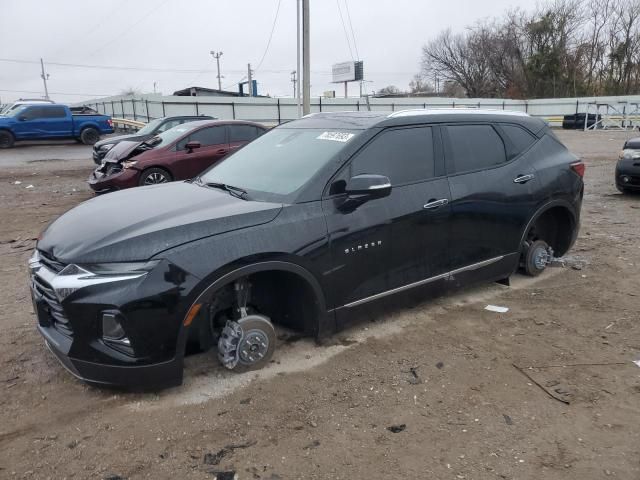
[
  {"x": 298, "y": 52},
  {"x": 217, "y": 56},
  {"x": 155, "y": 84},
  {"x": 250, "y": 81},
  {"x": 45, "y": 77},
  {"x": 306, "y": 61},
  {"x": 294, "y": 80}
]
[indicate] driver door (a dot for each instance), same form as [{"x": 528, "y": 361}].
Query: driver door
[{"x": 213, "y": 147}]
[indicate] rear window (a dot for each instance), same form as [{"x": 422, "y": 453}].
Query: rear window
[
  {"x": 474, "y": 147},
  {"x": 519, "y": 139},
  {"x": 52, "y": 112},
  {"x": 242, "y": 133}
]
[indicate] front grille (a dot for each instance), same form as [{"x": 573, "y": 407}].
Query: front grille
[
  {"x": 55, "y": 312},
  {"x": 50, "y": 262}
]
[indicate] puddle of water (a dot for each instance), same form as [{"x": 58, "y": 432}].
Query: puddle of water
[{"x": 205, "y": 379}]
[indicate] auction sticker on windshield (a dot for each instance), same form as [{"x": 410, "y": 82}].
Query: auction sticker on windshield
[{"x": 336, "y": 136}]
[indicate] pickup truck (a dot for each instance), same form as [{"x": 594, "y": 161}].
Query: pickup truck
[{"x": 39, "y": 122}]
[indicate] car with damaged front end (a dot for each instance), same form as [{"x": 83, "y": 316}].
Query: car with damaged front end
[{"x": 305, "y": 228}]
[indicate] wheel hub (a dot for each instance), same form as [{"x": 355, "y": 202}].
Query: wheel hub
[
  {"x": 541, "y": 258},
  {"x": 253, "y": 347}
]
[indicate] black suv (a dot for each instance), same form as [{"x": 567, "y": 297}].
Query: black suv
[
  {"x": 628, "y": 167},
  {"x": 300, "y": 228},
  {"x": 151, "y": 129}
]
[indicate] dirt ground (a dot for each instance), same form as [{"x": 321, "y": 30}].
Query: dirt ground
[{"x": 445, "y": 390}]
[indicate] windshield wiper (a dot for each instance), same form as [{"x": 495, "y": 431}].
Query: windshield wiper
[{"x": 235, "y": 191}]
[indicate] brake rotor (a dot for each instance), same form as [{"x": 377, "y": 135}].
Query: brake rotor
[{"x": 247, "y": 343}]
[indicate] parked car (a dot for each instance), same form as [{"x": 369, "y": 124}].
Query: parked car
[
  {"x": 25, "y": 101},
  {"x": 628, "y": 167},
  {"x": 41, "y": 122},
  {"x": 577, "y": 121},
  {"x": 151, "y": 129},
  {"x": 179, "y": 153},
  {"x": 301, "y": 228}
]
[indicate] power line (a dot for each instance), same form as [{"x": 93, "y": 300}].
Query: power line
[
  {"x": 60, "y": 93},
  {"x": 273, "y": 28},
  {"x": 353, "y": 34},
  {"x": 344, "y": 27}
]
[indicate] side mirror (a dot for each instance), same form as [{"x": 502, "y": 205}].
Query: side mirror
[
  {"x": 190, "y": 146},
  {"x": 362, "y": 188},
  {"x": 374, "y": 186}
]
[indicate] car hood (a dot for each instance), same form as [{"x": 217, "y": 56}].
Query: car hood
[
  {"x": 121, "y": 138},
  {"x": 138, "y": 223},
  {"x": 121, "y": 150}
]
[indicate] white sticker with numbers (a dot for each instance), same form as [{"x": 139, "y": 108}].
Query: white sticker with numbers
[{"x": 336, "y": 136}]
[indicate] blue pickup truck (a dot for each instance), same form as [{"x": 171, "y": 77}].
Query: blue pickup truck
[{"x": 40, "y": 122}]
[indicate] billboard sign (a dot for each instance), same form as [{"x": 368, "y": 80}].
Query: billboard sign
[{"x": 347, "y": 72}]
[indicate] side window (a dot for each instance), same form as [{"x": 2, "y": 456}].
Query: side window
[
  {"x": 209, "y": 136},
  {"x": 404, "y": 155},
  {"x": 519, "y": 138},
  {"x": 475, "y": 147},
  {"x": 52, "y": 112},
  {"x": 242, "y": 133},
  {"x": 32, "y": 113}
]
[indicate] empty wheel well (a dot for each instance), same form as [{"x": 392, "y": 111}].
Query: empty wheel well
[
  {"x": 555, "y": 226},
  {"x": 285, "y": 297}
]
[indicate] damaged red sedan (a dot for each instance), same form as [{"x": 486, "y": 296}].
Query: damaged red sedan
[{"x": 179, "y": 153}]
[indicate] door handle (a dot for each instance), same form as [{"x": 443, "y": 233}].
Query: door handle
[
  {"x": 433, "y": 204},
  {"x": 523, "y": 178},
  {"x": 221, "y": 150}
]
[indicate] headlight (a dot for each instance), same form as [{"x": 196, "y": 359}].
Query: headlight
[
  {"x": 128, "y": 164},
  {"x": 630, "y": 154},
  {"x": 74, "y": 277},
  {"x": 107, "y": 147}
]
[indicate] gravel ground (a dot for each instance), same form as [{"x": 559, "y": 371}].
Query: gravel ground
[{"x": 442, "y": 389}]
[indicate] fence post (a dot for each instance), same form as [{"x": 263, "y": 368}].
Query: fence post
[
  {"x": 279, "y": 121},
  {"x": 133, "y": 104},
  {"x": 320, "y": 99},
  {"x": 122, "y": 107},
  {"x": 393, "y": 107},
  {"x": 146, "y": 102},
  {"x": 197, "y": 109},
  {"x": 526, "y": 107},
  {"x": 233, "y": 109},
  {"x": 163, "y": 113},
  {"x": 453, "y": 104},
  {"x": 358, "y": 105},
  {"x": 577, "y": 103},
  {"x": 503, "y": 104},
  {"x": 113, "y": 110},
  {"x": 424, "y": 105}
]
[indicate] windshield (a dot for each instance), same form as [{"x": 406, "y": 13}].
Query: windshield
[
  {"x": 150, "y": 127},
  {"x": 169, "y": 136},
  {"x": 17, "y": 110},
  {"x": 280, "y": 161}
]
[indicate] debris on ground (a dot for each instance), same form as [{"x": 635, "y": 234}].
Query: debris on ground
[
  {"x": 414, "y": 378},
  {"x": 314, "y": 444},
  {"x": 440, "y": 365},
  {"x": 397, "y": 428},
  {"x": 215, "y": 458},
  {"x": 507, "y": 419},
  {"x": 496, "y": 308},
  {"x": 17, "y": 182},
  {"x": 226, "y": 475},
  {"x": 29, "y": 186}
]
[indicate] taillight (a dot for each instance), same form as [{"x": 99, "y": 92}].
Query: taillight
[
  {"x": 578, "y": 167},
  {"x": 110, "y": 122}
]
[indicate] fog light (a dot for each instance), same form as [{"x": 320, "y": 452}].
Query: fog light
[
  {"x": 112, "y": 331},
  {"x": 625, "y": 179}
]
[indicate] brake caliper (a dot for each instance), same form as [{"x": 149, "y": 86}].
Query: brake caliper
[{"x": 230, "y": 338}]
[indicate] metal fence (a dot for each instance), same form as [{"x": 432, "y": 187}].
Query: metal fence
[{"x": 273, "y": 111}]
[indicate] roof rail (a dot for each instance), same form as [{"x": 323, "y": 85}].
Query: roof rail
[{"x": 458, "y": 111}]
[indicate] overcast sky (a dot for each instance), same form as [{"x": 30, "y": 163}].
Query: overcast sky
[{"x": 168, "y": 42}]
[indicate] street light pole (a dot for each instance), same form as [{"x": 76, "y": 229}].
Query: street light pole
[
  {"x": 217, "y": 56},
  {"x": 298, "y": 40},
  {"x": 45, "y": 77},
  {"x": 306, "y": 61}
]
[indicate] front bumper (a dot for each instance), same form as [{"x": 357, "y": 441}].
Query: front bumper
[
  {"x": 100, "y": 181},
  {"x": 628, "y": 174},
  {"x": 151, "y": 309}
]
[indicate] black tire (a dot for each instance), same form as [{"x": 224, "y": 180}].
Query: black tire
[
  {"x": 154, "y": 176},
  {"x": 89, "y": 136},
  {"x": 6, "y": 139},
  {"x": 534, "y": 258},
  {"x": 262, "y": 327}
]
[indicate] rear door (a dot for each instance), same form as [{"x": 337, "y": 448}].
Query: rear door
[
  {"x": 57, "y": 121},
  {"x": 213, "y": 147},
  {"x": 391, "y": 242},
  {"x": 493, "y": 190},
  {"x": 240, "y": 135}
]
